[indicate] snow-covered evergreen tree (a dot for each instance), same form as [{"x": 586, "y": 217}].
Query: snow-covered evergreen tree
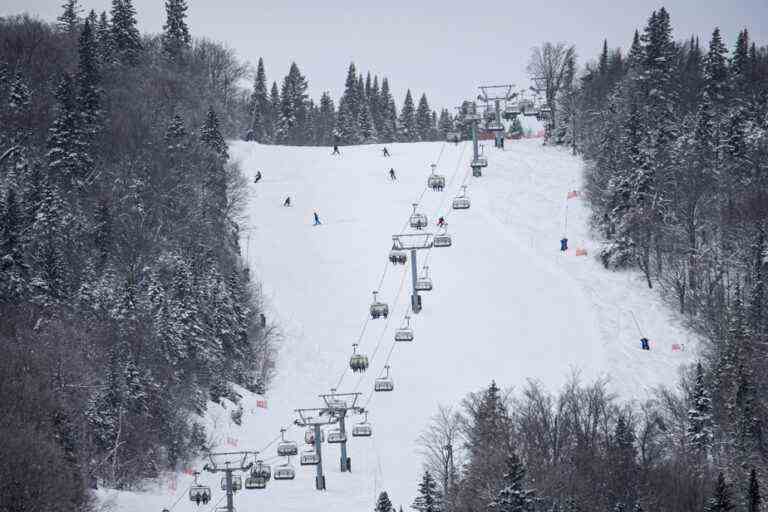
[
  {"x": 259, "y": 107},
  {"x": 69, "y": 19},
  {"x": 428, "y": 497},
  {"x": 176, "y": 38},
  {"x": 383, "y": 503},
  {"x": 210, "y": 134},
  {"x": 700, "y": 435},
  {"x": 408, "y": 131},
  {"x": 513, "y": 496},
  {"x": 721, "y": 498},
  {"x": 423, "y": 119},
  {"x": 124, "y": 36}
]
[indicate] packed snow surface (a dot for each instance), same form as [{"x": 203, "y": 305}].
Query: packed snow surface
[{"x": 507, "y": 305}]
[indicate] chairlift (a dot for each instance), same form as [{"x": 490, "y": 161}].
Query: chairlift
[
  {"x": 255, "y": 482},
  {"x": 285, "y": 472},
  {"x": 199, "y": 493},
  {"x": 237, "y": 483},
  {"x": 489, "y": 115},
  {"x": 309, "y": 436},
  {"x": 494, "y": 126},
  {"x": 358, "y": 362},
  {"x": 336, "y": 436},
  {"x": 362, "y": 429},
  {"x": 479, "y": 162},
  {"x": 380, "y": 308},
  {"x": 453, "y": 137},
  {"x": 461, "y": 202},
  {"x": 261, "y": 470},
  {"x": 435, "y": 181},
  {"x": 417, "y": 220},
  {"x": 396, "y": 256},
  {"x": 424, "y": 282},
  {"x": 404, "y": 333},
  {"x": 384, "y": 383},
  {"x": 286, "y": 448},
  {"x": 511, "y": 111},
  {"x": 442, "y": 240},
  {"x": 309, "y": 458}
]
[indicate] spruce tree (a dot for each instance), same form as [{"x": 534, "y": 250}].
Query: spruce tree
[
  {"x": 423, "y": 119},
  {"x": 293, "y": 108},
  {"x": 88, "y": 77},
  {"x": 348, "y": 120},
  {"x": 445, "y": 123},
  {"x": 407, "y": 130},
  {"x": 513, "y": 497},
  {"x": 383, "y": 504},
  {"x": 125, "y": 38},
  {"x": 259, "y": 106},
  {"x": 176, "y": 38},
  {"x": 211, "y": 135},
  {"x": 721, "y": 499},
  {"x": 699, "y": 432},
  {"x": 68, "y": 158},
  {"x": 274, "y": 112},
  {"x": 13, "y": 271},
  {"x": 326, "y": 120},
  {"x": 367, "y": 128},
  {"x": 428, "y": 498},
  {"x": 388, "y": 130},
  {"x": 69, "y": 19}
]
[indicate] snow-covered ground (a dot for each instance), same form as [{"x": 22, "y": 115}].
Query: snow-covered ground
[{"x": 507, "y": 305}]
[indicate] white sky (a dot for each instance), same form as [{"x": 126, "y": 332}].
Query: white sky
[{"x": 445, "y": 49}]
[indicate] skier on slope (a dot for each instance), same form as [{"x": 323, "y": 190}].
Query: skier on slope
[
  {"x": 336, "y": 150},
  {"x": 287, "y": 201},
  {"x": 392, "y": 175},
  {"x": 441, "y": 222},
  {"x": 257, "y": 178},
  {"x": 385, "y": 152},
  {"x": 317, "y": 219},
  {"x": 645, "y": 344}
]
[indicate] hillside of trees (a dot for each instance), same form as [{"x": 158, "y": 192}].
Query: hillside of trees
[
  {"x": 366, "y": 113},
  {"x": 675, "y": 140},
  {"x": 580, "y": 450},
  {"x": 125, "y": 305}
]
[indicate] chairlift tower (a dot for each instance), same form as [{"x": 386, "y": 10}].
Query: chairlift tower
[
  {"x": 339, "y": 404},
  {"x": 495, "y": 94},
  {"x": 468, "y": 110},
  {"x": 316, "y": 418},
  {"x": 228, "y": 463},
  {"x": 413, "y": 242}
]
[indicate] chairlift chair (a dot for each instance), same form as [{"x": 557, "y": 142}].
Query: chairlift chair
[
  {"x": 309, "y": 458},
  {"x": 417, "y": 220},
  {"x": 494, "y": 126},
  {"x": 480, "y": 161},
  {"x": 255, "y": 482},
  {"x": 362, "y": 429},
  {"x": 262, "y": 470},
  {"x": 237, "y": 483},
  {"x": 404, "y": 333},
  {"x": 424, "y": 282},
  {"x": 336, "y": 436},
  {"x": 397, "y": 256},
  {"x": 199, "y": 493},
  {"x": 358, "y": 362},
  {"x": 309, "y": 436},
  {"x": 489, "y": 115},
  {"x": 442, "y": 240},
  {"x": 384, "y": 383},
  {"x": 285, "y": 472},
  {"x": 435, "y": 181},
  {"x": 461, "y": 202},
  {"x": 379, "y": 309},
  {"x": 286, "y": 448}
]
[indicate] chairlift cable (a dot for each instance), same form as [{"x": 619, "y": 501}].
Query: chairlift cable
[{"x": 183, "y": 494}]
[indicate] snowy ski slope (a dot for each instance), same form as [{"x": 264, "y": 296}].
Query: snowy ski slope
[{"x": 507, "y": 305}]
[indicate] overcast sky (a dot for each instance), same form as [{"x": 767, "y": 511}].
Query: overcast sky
[{"x": 443, "y": 48}]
